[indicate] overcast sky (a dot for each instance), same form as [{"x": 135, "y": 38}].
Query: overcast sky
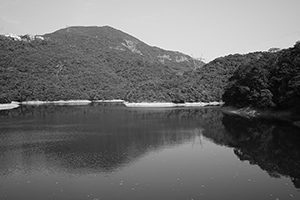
[{"x": 201, "y": 28}]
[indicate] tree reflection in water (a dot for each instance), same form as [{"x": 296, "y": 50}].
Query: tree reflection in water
[
  {"x": 99, "y": 138},
  {"x": 272, "y": 145}
]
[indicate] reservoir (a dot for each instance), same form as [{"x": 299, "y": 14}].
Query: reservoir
[{"x": 109, "y": 152}]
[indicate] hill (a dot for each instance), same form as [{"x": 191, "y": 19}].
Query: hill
[
  {"x": 271, "y": 82},
  {"x": 84, "y": 63},
  {"x": 105, "y": 63}
]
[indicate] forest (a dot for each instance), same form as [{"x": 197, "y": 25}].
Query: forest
[
  {"x": 98, "y": 63},
  {"x": 271, "y": 82},
  {"x": 85, "y": 63}
]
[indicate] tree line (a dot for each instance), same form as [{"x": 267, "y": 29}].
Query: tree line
[
  {"x": 270, "y": 82},
  {"x": 67, "y": 66}
]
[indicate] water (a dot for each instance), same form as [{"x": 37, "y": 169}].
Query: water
[{"x": 112, "y": 152}]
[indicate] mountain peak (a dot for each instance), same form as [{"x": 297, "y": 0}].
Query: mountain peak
[
  {"x": 94, "y": 31},
  {"x": 111, "y": 39}
]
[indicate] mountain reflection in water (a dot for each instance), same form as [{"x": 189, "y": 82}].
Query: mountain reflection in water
[
  {"x": 87, "y": 139},
  {"x": 78, "y": 141}
]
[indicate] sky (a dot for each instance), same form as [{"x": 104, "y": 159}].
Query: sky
[{"x": 204, "y": 29}]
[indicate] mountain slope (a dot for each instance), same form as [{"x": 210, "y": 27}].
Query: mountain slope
[
  {"x": 105, "y": 63},
  {"x": 82, "y": 63},
  {"x": 273, "y": 81},
  {"x": 99, "y": 39}
]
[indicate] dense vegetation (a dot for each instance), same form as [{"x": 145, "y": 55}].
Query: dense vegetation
[
  {"x": 105, "y": 63},
  {"x": 202, "y": 84},
  {"x": 272, "y": 81},
  {"x": 84, "y": 63}
]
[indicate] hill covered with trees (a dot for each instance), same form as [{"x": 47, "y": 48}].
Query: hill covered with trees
[
  {"x": 270, "y": 82},
  {"x": 202, "y": 84},
  {"x": 105, "y": 63},
  {"x": 83, "y": 63}
]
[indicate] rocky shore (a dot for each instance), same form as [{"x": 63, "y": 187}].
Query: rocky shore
[{"x": 249, "y": 112}]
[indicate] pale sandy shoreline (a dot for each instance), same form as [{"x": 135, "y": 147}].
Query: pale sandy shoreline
[
  {"x": 171, "y": 105},
  {"x": 110, "y": 101},
  {"x": 71, "y": 102},
  {"x": 8, "y": 106},
  {"x": 13, "y": 105},
  {"x": 60, "y": 102}
]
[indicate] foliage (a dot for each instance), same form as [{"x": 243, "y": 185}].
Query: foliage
[
  {"x": 80, "y": 63},
  {"x": 105, "y": 63},
  {"x": 97, "y": 63},
  {"x": 272, "y": 81}
]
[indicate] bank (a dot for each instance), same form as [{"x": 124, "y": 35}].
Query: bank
[
  {"x": 248, "y": 112},
  {"x": 13, "y": 105}
]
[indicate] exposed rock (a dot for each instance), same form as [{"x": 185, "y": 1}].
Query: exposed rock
[
  {"x": 25, "y": 38},
  {"x": 163, "y": 58},
  {"x": 131, "y": 45},
  {"x": 181, "y": 58}
]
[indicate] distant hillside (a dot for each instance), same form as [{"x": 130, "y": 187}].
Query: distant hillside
[
  {"x": 97, "y": 40},
  {"x": 83, "y": 63},
  {"x": 105, "y": 63}
]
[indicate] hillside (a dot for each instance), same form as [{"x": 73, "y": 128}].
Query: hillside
[
  {"x": 105, "y": 63},
  {"x": 99, "y": 40},
  {"x": 83, "y": 63},
  {"x": 239, "y": 80},
  {"x": 271, "y": 82}
]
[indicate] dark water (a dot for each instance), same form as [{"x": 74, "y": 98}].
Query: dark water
[{"x": 112, "y": 152}]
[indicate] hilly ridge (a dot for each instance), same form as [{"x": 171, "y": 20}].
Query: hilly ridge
[
  {"x": 108, "y": 39},
  {"x": 83, "y": 63},
  {"x": 102, "y": 63}
]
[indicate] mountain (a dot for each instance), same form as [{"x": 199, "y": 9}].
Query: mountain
[
  {"x": 110, "y": 39},
  {"x": 84, "y": 63},
  {"x": 105, "y": 63}
]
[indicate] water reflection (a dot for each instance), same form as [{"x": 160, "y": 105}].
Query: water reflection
[
  {"x": 105, "y": 142},
  {"x": 272, "y": 145},
  {"x": 92, "y": 139}
]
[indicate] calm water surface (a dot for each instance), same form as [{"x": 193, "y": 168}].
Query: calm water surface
[{"x": 112, "y": 152}]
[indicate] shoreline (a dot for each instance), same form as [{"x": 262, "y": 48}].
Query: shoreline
[
  {"x": 248, "y": 112},
  {"x": 9, "y": 106},
  {"x": 70, "y": 102},
  {"x": 109, "y": 101},
  {"x": 15, "y": 104},
  {"x": 60, "y": 102},
  {"x": 244, "y": 112},
  {"x": 170, "y": 104}
]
